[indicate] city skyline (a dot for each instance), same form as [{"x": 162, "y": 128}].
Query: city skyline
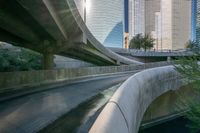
[
  {"x": 169, "y": 22},
  {"x": 141, "y": 18}
]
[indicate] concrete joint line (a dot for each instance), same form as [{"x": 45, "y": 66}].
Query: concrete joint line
[{"x": 121, "y": 113}]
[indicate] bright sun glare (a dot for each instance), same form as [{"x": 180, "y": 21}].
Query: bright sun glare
[{"x": 87, "y": 5}]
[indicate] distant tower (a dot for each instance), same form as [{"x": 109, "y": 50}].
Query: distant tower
[
  {"x": 136, "y": 17},
  {"x": 104, "y": 19},
  {"x": 176, "y": 23}
]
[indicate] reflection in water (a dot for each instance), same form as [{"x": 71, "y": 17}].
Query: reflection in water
[
  {"x": 82, "y": 115},
  {"x": 175, "y": 126}
]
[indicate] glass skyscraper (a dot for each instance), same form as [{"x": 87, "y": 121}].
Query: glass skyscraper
[
  {"x": 136, "y": 17},
  {"x": 105, "y": 20}
]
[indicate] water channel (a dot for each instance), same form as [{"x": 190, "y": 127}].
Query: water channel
[{"x": 81, "y": 118}]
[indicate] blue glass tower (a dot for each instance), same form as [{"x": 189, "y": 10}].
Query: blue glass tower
[{"x": 194, "y": 11}]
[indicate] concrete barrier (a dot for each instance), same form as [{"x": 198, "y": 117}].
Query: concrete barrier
[
  {"x": 17, "y": 80},
  {"x": 125, "y": 110}
]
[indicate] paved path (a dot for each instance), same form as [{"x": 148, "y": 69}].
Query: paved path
[{"x": 33, "y": 112}]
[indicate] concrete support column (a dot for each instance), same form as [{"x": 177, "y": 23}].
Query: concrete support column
[
  {"x": 118, "y": 62},
  {"x": 168, "y": 58},
  {"x": 48, "y": 61}
]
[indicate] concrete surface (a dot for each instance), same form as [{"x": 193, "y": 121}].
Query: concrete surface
[
  {"x": 124, "y": 112},
  {"x": 142, "y": 53},
  {"x": 30, "y": 113},
  {"x": 65, "y": 62},
  {"x": 53, "y": 27},
  {"x": 14, "y": 81},
  {"x": 169, "y": 106}
]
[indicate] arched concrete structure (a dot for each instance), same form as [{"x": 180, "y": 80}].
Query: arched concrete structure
[
  {"x": 125, "y": 110},
  {"x": 93, "y": 40}
]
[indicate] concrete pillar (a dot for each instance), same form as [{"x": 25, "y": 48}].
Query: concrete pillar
[
  {"x": 118, "y": 62},
  {"x": 48, "y": 62},
  {"x": 168, "y": 58}
]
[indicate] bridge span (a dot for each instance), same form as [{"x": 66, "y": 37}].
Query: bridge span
[
  {"x": 53, "y": 27},
  {"x": 125, "y": 110}
]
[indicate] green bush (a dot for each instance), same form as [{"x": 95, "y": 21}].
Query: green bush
[
  {"x": 189, "y": 68},
  {"x": 19, "y": 60}
]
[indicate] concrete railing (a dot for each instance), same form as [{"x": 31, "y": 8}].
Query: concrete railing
[
  {"x": 10, "y": 80},
  {"x": 125, "y": 110},
  {"x": 141, "y": 53}
]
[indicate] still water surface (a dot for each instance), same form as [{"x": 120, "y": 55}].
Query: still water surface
[{"x": 174, "y": 126}]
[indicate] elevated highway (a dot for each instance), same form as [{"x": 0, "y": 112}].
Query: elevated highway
[
  {"x": 152, "y": 56},
  {"x": 142, "y": 53},
  {"x": 53, "y": 27}
]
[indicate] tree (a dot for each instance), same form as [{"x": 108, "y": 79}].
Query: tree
[
  {"x": 189, "y": 68},
  {"x": 136, "y": 42},
  {"x": 142, "y": 42},
  {"x": 148, "y": 42},
  {"x": 19, "y": 59},
  {"x": 192, "y": 45}
]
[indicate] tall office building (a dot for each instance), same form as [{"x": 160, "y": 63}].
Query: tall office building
[
  {"x": 105, "y": 20},
  {"x": 153, "y": 20},
  {"x": 168, "y": 21},
  {"x": 136, "y": 17},
  {"x": 198, "y": 21},
  {"x": 182, "y": 23},
  {"x": 152, "y": 7}
]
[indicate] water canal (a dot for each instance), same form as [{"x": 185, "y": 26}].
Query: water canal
[{"x": 80, "y": 119}]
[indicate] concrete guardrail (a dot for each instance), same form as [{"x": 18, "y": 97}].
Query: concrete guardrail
[
  {"x": 125, "y": 110},
  {"x": 21, "y": 79}
]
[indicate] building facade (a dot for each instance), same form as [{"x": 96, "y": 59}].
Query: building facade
[
  {"x": 181, "y": 31},
  {"x": 194, "y": 19},
  {"x": 168, "y": 21},
  {"x": 105, "y": 20},
  {"x": 197, "y": 21},
  {"x": 136, "y": 17}
]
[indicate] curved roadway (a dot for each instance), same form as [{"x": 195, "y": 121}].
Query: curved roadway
[{"x": 33, "y": 112}]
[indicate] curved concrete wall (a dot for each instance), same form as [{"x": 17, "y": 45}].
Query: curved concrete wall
[{"x": 125, "y": 110}]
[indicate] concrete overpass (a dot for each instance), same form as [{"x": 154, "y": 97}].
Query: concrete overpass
[
  {"x": 152, "y": 56},
  {"x": 53, "y": 27},
  {"x": 142, "y": 53}
]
